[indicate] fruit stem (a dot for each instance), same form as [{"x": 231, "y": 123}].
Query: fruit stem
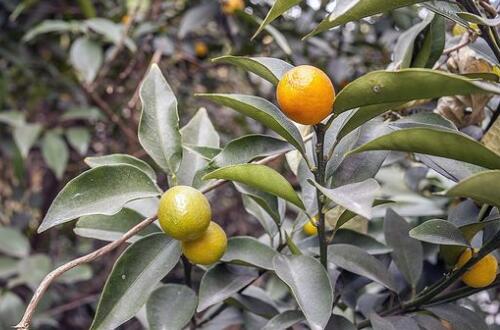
[
  {"x": 187, "y": 271},
  {"x": 319, "y": 176}
]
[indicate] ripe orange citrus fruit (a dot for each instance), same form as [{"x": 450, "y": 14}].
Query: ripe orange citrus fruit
[
  {"x": 482, "y": 273},
  {"x": 305, "y": 95},
  {"x": 310, "y": 228},
  {"x": 200, "y": 49},
  {"x": 184, "y": 213},
  {"x": 208, "y": 248},
  {"x": 230, "y": 6}
]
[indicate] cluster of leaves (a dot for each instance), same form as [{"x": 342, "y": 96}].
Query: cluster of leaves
[{"x": 382, "y": 267}]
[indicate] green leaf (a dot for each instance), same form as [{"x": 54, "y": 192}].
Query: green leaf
[
  {"x": 347, "y": 11},
  {"x": 102, "y": 190},
  {"x": 112, "y": 227},
  {"x": 338, "y": 322},
  {"x": 159, "y": 132},
  {"x": 423, "y": 140},
  {"x": 86, "y": 58},
  {"x": 78, "y": 274},
  {"x": 263, "y": 111},
  {"x": 206, "y": 153},
  {"x": 260, "y": 177},
  {"x": 407, "y": 253},
  {"x": 136, "y": 273},
  {"x": 13, "y": 243},
  {"x": 405, "y": 47},
  {"x": 11, "y": 309},
  {"x": 269, "y": 203},
  {"x": 284, "y": 321},
  {"x": 269, "y": 68},
  {"x": 249, "y": 251},
  {"x": 432, "y": 45},
  {"x": 12, "y": 118},
  {"x": 428, "y": 322},
  {"x": 460, "y": 318},
  {"x": 55, "y": 153},
  {"x": 32, "y": 270},
  {"x": 25, "y": 136},
  {"x": 111, "y": 31},
  {"x": 79, "y": 139},
  {"x": 479, "y": 19},
  {"x": 221, "y": 282},
  {"x": 121, "y": 159},
  {"x": 310, "y": 285},
  {"x": 380, "y": 87},
  {"x": 50, "y": 26},
  {"x": 248, "y": 148},
  {"x": 446, "y": 9},
  {"x": 253, "y": 207},
  {"x": 171, "y": 306},
  {"x": 483, "y": 187},
  {"x": 357, "y": 261},
  {"x": 83, "y": 113},
  {"x": 278, "y": 8},
  {"x": 440, "y": 232},
  {"x": 8, "y": 266},
  {"x": 356, "y": 197},
  {"x": 196, "y": 17}
]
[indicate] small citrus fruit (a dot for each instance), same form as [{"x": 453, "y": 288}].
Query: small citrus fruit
[
  {"x": 482, "y": 273},
  {"x": 305, "y": 95},
  {"x": 208, "y": 248},
  {"x": 310, "y": 228},
  {"x": 230, "y": 6},
  {"x": 458, "y": 29},
  {"x": 200, "y": 49},
  {"x": 184, "y": 213}
]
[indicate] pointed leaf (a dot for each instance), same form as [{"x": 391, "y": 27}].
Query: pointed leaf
[
  {"x": 284, "y": 321},
  {"x": 380, "y": 87},
  {"x": 55, "y": 153},
  {"x": 423, "y": 140},
  {"x": 248, "y": 148},
  {"x": 79, "y": 139},
  {"x": 407, "y": 253},
  {"x": 102, "y": 190},
  {"x": 25, "y": 135},
  {"x": 356, "y": 197},
  {"x": 310, "y": 285},
  {"x": 249, "y": 251},
  {"x": 86, "y": 57},
  {"x": 263, "y": 111},
  {"x": 357, "y": 261},
  {"x": 13, "y": 243},
  {"x": 159, "y": 131},
  {"x": 135, "y": 275},
  {"x": 264, "y": 217},
  {"x": 278, "y": 8},
  {"x": 171, "y": 306},
  {"x": 346, "y": 11},
  {"x": 221, "y": 282},
  {"x": 121, "y": 159},
  {"x": 261, "y": 177},
  {"x": 483, "y": 187},
  {"x": 440, "y": 232}
]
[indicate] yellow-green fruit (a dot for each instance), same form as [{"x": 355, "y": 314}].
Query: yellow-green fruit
[
  {"x": 310, "y": 228},
  {"x": 482, "y": 274},
  {"x": 458, "y": 29},
  {"x": 208, "y": 248},
  {"x": 184, "y": 213}
]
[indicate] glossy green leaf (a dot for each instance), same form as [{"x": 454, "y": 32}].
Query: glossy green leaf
[
  {"x": 356, "y": 197},
  {"x": 404, "y": 50},
  {"x": 55, "y": 153},
  {"x": 347, "y": 11},
  {"x": 432, "y": 45},
  {"x": 221, "y": 282},
  {"x": 121, "y": 159},
  {"x": 253, "y": 207},
  {"x": 111, "y": 31},
  {"x": 269, "y": 68},
  {"x": 469, "y": 17},
  {"x": 86, "y": 57},
  {"x": 267, "y": 202},
  {"x": 79, "y": 139},
  {"x": 170, "y": 307},
  {"x": 278, "y": 8},
  {"x": 248, "y": 148},
  {"x": 379, "y": 87},
  {"x": 310, "y": 285},
  {"x": 263, "y": 111},
  {"x": 407, "y": 253},
  {"x": 483, "y": 187},
  {"x": 112, "y": 227},
  {"x": 249, "y": 251},
  {"x": 206, "y": 153},
  {"x": 284, "y": 321},
  {"x": 101, "y": 190},
  {"x": 440, "y": 232},
  {"x": 48, "y": 26},
  {"x": 435, "y": 142},
  {"x": 13, "y": 243},
  {"x": 260, "y": 177},
  {"x": 357, "y": 261},
  {"x": 446, "y": 9},
  {"x": 159, "y": 132},
  {"x": 338, "y": 322},
  {"x": 25, "y": 136},
  {"x": 136, "y": 273}
]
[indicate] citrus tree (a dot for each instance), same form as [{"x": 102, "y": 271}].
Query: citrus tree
[{"x": 320, "y": 262}]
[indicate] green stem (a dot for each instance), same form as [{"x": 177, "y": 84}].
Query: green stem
[{"x": 319, "y": 175}]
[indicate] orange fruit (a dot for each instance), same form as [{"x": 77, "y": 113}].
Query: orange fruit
[
  {"x": 305, "y": 95},
  {"x": 229, "y": 7},
  {"x": 310, "y": 228},
  {"x": 208, "y": 248},
  {"x": 200, "y": 49},
  {"x": 482, "y": 274},
  {"x": 184, "y": 213}
]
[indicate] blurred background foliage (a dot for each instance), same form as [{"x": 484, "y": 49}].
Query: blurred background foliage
[{"x": 69, "y": 72}]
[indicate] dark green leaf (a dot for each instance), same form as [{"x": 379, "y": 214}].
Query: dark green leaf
[
  {"x": 285, "y": 320},
  {"x": 482, "y": 187},
  {"x": 446, "y": 9},
  {"x": 460, "y": 318},
  {"x": 121, "y": 159},
  {"x": 253, "y": 207},
  {"x": 249, "y": 251},
  {"x": 405, "y": 47},
  {"x": 278, "y": 8},
  {"x": 338, "y": 322},
  {"x": 479, "y": 19},
  {"x": 440, "y": 232},
  {"x": 196, "y": 17}
]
